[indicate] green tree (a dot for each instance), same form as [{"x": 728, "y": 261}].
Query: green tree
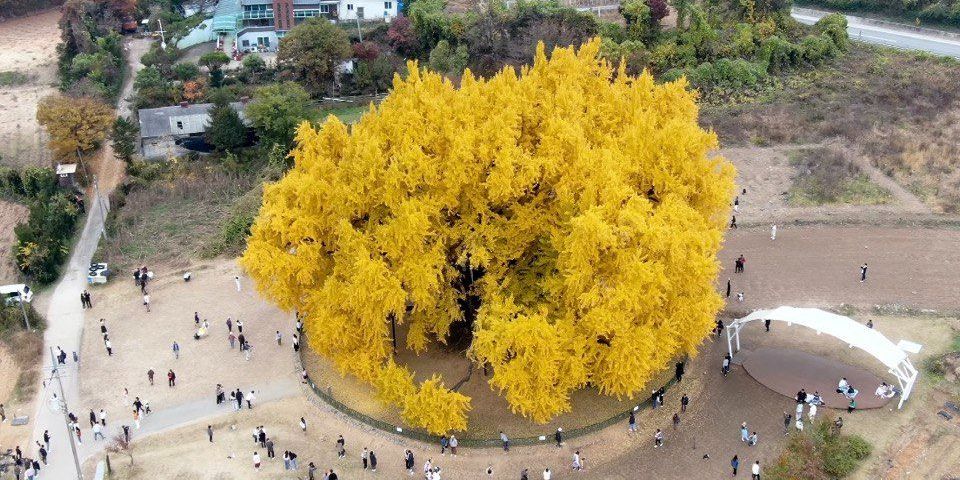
[
  {"x": 186, "y": 71},
  {"x": 214, "y": 60},
  {"x": 446, "y": 60},
  {"x": 124, "y": 136},
  {"x": 277, "y": 110},
  {"x": 311, "y": 51},
  {"x": 226, "y": 131}
]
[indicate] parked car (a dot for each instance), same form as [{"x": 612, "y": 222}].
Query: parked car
[{"x": 12, "y": 294}]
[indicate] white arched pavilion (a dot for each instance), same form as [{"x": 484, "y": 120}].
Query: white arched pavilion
[{"x": 844, "y": 328}]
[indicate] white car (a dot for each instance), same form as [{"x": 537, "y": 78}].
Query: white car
[{"x": 12, "y": 294}]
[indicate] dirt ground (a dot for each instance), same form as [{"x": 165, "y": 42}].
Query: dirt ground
[
  {"x": 11, "y": 214},
  {"x": 708, "y": 428},
  {"x": 820, "y": 266},
  {"x": 142, "y": 341},
  {"x": 22, "y": 140}
]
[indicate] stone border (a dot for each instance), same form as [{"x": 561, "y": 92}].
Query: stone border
[{"x": 465, "y": 441}]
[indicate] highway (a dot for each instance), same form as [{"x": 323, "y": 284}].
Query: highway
[{"x": 890, "y": 35}]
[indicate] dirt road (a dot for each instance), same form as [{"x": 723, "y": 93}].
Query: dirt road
[{"x": 820, "y": 266}]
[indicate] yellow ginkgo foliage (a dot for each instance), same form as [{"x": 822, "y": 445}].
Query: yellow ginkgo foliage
[{"x": 569, "y": 214}]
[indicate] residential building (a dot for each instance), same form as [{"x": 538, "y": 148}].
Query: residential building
[
  {"x": 260, "y": 24},
  {"x": 167, "y": 131}
]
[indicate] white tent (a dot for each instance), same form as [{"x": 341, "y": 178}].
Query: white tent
[{"x": 846, "y": 329}]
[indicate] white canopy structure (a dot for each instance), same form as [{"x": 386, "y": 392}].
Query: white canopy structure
[{"x": 846, "y": 329}]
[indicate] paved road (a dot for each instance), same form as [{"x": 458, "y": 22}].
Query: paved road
[{"x": 889, "y": 34}]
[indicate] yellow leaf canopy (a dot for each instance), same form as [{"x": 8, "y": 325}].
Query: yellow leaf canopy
[{"x": 585, "y": 196}]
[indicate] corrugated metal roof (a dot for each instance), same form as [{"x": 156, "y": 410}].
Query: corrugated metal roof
[{"x": 177, "y": 120}]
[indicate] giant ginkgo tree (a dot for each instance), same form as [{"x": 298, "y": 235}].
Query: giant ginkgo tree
[{"x": 562, "y": 223}]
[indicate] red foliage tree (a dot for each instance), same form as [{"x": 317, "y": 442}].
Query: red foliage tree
[
  {"x": 403, "y": 38},
  {"x": 366, "y": 51},
  {"x": 658, "y": 10}
]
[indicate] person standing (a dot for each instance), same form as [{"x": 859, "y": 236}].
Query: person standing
[
  {"x": 766, "y": 325},
  {"x": 311, "y": 471},
  {"x": 136, "y": 418},
  {"x": 558, "y": 436},
  {"x": 256, "y": 460},
  {"x": 93, "y": 418},
  {"x": 505, "y": 441},
  {"x": 268, "y": 444},
  {"x": 250, "y": 399},
  {"x": 210, "y": 433},
  {"x": 676, "y": 420},
  {"x": 752, "y": 439},
  {"x": 787, "y": 418},
  {"x": 171, "y": 379},
  {"x": 240, "y": 327},
  {"x": 863, "y": 273},
  {"x": 365, "y": 457},
  {"x": 236, "y": 279},
  {"x": 331, "y": 475},
  {"x": 150, "y": 374},
  {"x": 303, "y": 425},
  {"x": 735, "y": 464},
  {"x": 83, "y": 299},
  {"x": 176, "y": 350},
  {"x": 296, "y": 343},
  {"x": 658, "y": 439},
  {"x": 373, "y": 461},
  {"x": 728, "y": 288},
  {"x": 106, "y": 343},
  {"x": 632, "y": 423},
  {"x": 279, "y": 338},
  {"x": 755, "y": 470},
  {"x": 678, "y": 371},
  {"x": 408, "y": 461},
  {"x": 229, "y": 325},
  {"x": 744, "y": 432},
  {"x": 196, "y": 319},
  {"x": 232, "y": 339},
  {"x": 684, "y": 401},
  {"x": 444, "y": 443},
  {"x": 813, "y": 411},
  {"x": 546, "y": 474},
  {"x": 725, "y": 367},
  {"x": 341, "y": 447},
  {"x": 146, "y": 300},
  {"x": 453, "y": 445},
  {"x": 103, "y": 327},
  {"x": 98, "y": 431},
  {"x": 773, "y": 232}
]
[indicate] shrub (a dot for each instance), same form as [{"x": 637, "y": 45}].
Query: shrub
[
  {"x": 815, "y": 49},
  {"x": 726, "y": 73},
  {"x": 186, "y": 71},
  {"x": 835, "y": 26}
]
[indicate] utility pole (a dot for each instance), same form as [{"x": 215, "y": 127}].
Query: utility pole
[
  {"x": 359, "y": 33},
  {"x": 163, "y": 39},
  {"x": 55, "y": 372},
  {"x": 103, "y": 208},
  {"x": 23, "y": 310}
]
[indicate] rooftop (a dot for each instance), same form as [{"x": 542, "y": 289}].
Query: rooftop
[{"x": 178, "y": 120}]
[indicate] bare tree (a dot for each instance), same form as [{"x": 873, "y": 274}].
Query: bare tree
[{"x": 121, "y": 445}]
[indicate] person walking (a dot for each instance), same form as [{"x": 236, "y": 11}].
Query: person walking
[
  {"x": 679, "y": 371},
  {"x": 373, "y": 461},
  {"x": 735, "y": 464},
  {"x": 98, "y": 431},
  {"x": 725, "y": 367},
  {"x": 256, "y": 461},
  {"x": 787, "y": 418},
  {"x": 341, "y": 444},
  {"x": 863, "y": 273},
  {"x": 755, "y": 470},
  {"x": 303, "y": 425},
  {"x": 676, "y": 420},
  {"x": 171, "y": 379},
  {"x": 83, "y": 299},
  {"x": 106, "y": 343},
  {"x": 269, "y": 445},
  {"x": 577, "y": 461},
  {"x": 146, "y": 300},
  {"x": 658, "y": 439},
  {"x": 279, "y": 338},
  {"x": 504, "y": 441},
  {"x": 311, "y": 471},
  {"x": 229, "y": 325},
  {"x": 408, "y": 462},
  {"x": 632, "y": 423},
  {"x": 558, "y": 436},
  {"x": 232, "y": 339},
  {"x": 444, "y": 443},
  {"x": 136, "y": 418},
  {"x": 453, "y": 445},
  {"x": 239, "y": 326},
  {"x": 236, "y": 279},
  {"x": 728, "y": 288},
  {"x": 733, "y": 221},
  {"x": 766, "y": 325},
  {"x": 250, "y": 399},
  {"x": 365, "y": 457},
  {"x": 150, "y": 374},
  {"x": 93, "y": 418},
  {"x": 684, "y": 401},
  {"x": 210, "y": 433},
  {"x": 176, "y": 350},
  {"x": 773, "y": 232},
  {"x": 744, "y": 432}
]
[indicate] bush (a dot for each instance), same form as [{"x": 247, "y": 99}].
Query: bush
[
  {"x": 43, "y": 242},
  {"x": 815, "y": 49},
  {"x": 724, "y": 73},
  {"x": 835, "y": 26},
  {"x": 820, "y": 453}
]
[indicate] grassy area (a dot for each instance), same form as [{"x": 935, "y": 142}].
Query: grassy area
[
  {"x": 25, "y": 346},
  {"x": 820, "y": 452},
  {"x": 901, "y": 109},
  {"x": 172, "y": 212},
  {"x": 347, "y": 114},
  {"x": 13, "y": 79},
  {"x": 827, "y": 175}
]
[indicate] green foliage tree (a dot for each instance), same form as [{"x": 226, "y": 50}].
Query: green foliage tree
[
  {"x": 186, "y": 71},
  {"x": 124, "y": 136},
  {"x": 446, "y": 60},
  {"x": 43, "y": 241},
  {"x": 277, "y": 110},
  {"x": 214, "y": 60},
  {"x": 226, "y": 131},
  {"x": 310, "y": 52}
]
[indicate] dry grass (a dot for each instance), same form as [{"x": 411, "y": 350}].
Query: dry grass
[
  {"x": 169, "y": 214},
  {"x": 828, "y": 174},
  {"x": 901, "y": 109}
]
